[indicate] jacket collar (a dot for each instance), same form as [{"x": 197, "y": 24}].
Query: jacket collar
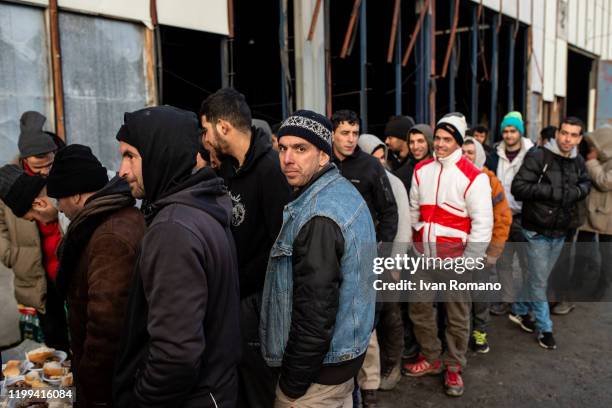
[
  {"x": 526, "y": 144},
  {"x": 451, "y": 159},
  {"x": 318, "y": 181}
]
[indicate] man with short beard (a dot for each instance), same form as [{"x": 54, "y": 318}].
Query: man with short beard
[
  {"x": 259, "y": 191},
  {"x": 181, "y": 340},
  {"x": 420, "y": 140},
  {"x": 97, "y": 258},
  {"x": 318, "y": 301},
  {"x": 396, "y": 139},
  {"x": 551, "y": 182},
  {"x": 506, "y": 161}
]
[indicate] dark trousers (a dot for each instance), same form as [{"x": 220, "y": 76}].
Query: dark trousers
[
  {"x": 53, "y": 323},
  {"x": 592, "y": 275},
  {"x": 257, "y": 381},
  {"x": 390, "y": 331}
]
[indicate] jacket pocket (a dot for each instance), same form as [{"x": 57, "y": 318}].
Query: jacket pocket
[
  {"x": 453, "y": 207},
  {"x": 449, "y": 247}
]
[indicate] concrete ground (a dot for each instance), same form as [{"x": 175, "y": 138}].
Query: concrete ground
[{"x": 517, "y": 372}]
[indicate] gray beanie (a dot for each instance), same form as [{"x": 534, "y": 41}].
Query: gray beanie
[{"x": 32, "y": 139}]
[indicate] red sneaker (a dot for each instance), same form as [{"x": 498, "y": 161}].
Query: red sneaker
[
  {"x": 422, "y": 367},
  {"x": 453, "y": 381}
]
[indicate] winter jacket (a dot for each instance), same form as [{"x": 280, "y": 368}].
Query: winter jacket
[
  {"x": 369, "y": 177},
  {"x": 506, "y": 170},
  {"x": 318, "y": 300},
  {"x": 181, "y": 340},
  {"x": 98, "y": 256},
  {"x": 259, "y": 191},
  {"x": 550, "y": 186},
  {"x": 502, "y": 216},
  {"x": 599, "y": 201},
  {"x": 20, "y": 251},
  {"x": 450, "y": 204}
]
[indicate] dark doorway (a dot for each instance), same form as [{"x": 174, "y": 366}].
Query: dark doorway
[
  {"x": 579, "y": 69},
  {"x": 191, "y": 62}
]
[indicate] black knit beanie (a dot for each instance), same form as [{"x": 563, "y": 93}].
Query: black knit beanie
[
  {"x": 75, "y": 171},
  {"x": 399, "y": 126},
  {"x": 311, "y": 126},
  {"x": 18, "y": 189}
]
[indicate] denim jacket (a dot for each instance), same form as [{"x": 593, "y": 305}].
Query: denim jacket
[{"x": 334, "y": 197}]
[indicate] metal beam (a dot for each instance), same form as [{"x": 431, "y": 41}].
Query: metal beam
[
  {"x": 474, "y": 68},
  {"x": 494, "y": 77},
  {"x": 398, "y": 66},
  {"x": 282, "y": 38},
  {"x": 454, "y": 19},
  {"x": 511, "y": 45},
  {"x": 363, "y": 56},
  {"x": 56, "y": 65}
]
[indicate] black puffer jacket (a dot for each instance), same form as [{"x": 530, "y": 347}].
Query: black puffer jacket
[
  {"x": 181, "y": 342},
  {"x": 259, "y": 192},
  {"x": 369, "y": 177},
  {"x": 550, "y": 186}
]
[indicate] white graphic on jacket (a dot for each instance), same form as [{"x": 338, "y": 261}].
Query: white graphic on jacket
[{"x": 238, "y": 210}]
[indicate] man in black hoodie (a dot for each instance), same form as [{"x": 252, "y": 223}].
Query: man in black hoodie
[
  {"x": 181, "y": 338},
  {"x": 259, "y": 192},
  {"x": 366, "y": 173}
]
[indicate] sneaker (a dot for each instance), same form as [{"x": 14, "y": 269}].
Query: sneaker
[
  {"x": 479, "y": 342},
  {"x": 369, "y": 399},
  {"x": 453, "y": 381},
  {"x": 547, "y": 341},
  {"x": 422, "y": 367},
  {"x": 525, "y": 321},
  {"x": 390, "y": 378},
  {"x": 499, "y": 309},
  {"x": 562, "y": 308}
]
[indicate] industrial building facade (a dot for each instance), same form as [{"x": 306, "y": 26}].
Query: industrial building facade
[{"x": 83, "y": 63}]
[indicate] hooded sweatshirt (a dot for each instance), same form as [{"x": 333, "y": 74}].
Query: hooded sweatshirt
[
  {"x": 259, "y": 192},
  {"x": 404, "y": 172},
  {"x": 502, "y": 216},
  {"x": 505, "y": 170},
  {"x": 181, "y": 336},
  {"x": 369, "y": 143}
]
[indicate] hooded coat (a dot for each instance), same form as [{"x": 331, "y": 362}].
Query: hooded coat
[
  {"x": 181, "y": 336},
  {"x": 550, "y": 186},
  {"x": 599, "y": 201},
  {"x": 405, "y": 170}
]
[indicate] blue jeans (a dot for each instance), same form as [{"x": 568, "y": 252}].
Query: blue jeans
[{"x": 542, "y": 253}]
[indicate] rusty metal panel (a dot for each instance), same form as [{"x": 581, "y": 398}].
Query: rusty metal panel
[
  {"x": 24, "y": 72},
  {"x": 603, "y": 114},
  {"x": 103, "y": 65}
]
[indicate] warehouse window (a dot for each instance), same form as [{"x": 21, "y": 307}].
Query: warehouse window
[
  {"x": 103, "y": 68},
  {"x": 24, "y": 72}
]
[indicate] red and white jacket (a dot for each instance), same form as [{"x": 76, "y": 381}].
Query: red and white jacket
[{"x": 450, "y": 203}]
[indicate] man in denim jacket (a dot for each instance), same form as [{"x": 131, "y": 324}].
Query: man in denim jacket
[{"x": 318, "y": 301}]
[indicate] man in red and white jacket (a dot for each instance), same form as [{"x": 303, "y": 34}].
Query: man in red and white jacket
[{"x": 452, "y": 215}]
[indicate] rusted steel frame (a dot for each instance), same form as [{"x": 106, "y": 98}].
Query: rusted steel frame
[
  {"x": 350, "y": 28},
  {"x": 394, "y": 24},
  {"x": 415, "y": 32},
  {"x": 451, "y": 41},
  {"x": 313, "y": 22},
  {"x": 56, "y": 66}
]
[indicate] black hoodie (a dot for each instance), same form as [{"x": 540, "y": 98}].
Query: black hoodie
[
  {"x": 181, "y": 342},
  {"x": 259, "y": 192}
]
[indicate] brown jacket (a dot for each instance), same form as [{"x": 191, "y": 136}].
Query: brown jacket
[
  {"x": 599, "y": 201},
  {"x": 502, "y": 216},
  {"x": 97, "y": 291}
]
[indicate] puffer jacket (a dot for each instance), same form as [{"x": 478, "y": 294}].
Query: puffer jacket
[
  {"x": 599, "y": 201},
  {"x": 550, "y": 186},
  {"x": 450, "y": 204},
  {"x": 20, "y": 251},
  {"x": 505, "y": 170}
]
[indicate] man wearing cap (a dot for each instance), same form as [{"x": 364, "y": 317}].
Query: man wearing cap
[
  {"x": 97, "y": 258},
  {"x": 396, "y": 138},
  {"x": 28, "y": 246},
  {"x": 319, "y": 274},
  {"x": 506, "y": 160},
  {"x": 181, "y": 334},
  {"x": 450, "y": 206}
]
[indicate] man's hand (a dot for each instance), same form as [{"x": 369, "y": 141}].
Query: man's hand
[{"x": 592, "y": 155}]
